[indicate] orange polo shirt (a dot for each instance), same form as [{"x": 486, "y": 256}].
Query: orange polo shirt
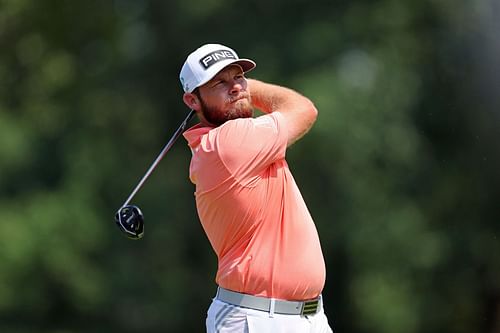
[{"x": 252, "y": 211}]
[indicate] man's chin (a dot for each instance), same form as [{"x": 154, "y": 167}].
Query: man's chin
[
  {"x": 240, "y": 109},
  {"x": 241, "y": 113},
  {"x": 243, "y": 108}
]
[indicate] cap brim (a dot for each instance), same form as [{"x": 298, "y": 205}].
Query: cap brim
[{"x": 246, "y": 65}]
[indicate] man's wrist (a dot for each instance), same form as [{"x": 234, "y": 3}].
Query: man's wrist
[{"x": 262, "y": 95}]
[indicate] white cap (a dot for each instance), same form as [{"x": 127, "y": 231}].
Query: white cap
[{"x": 208, "y": 60}]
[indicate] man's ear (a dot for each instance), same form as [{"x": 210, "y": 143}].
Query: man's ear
[{"x": 191, "y": 100}]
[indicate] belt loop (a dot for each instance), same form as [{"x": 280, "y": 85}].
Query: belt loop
[{"x": 272, "y": 304}]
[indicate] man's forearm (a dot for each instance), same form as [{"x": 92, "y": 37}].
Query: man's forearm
[
  {"x": 269, "y": 97},
  {"x": 297, "y": 109}
]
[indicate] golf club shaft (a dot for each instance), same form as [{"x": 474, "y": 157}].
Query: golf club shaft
[{"x": 160, "y": 156}]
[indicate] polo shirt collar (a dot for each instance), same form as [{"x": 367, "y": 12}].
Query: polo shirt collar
[{"x": 193, "y": 135}]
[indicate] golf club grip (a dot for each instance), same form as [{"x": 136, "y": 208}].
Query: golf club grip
[{"x": 163, "y": 152}]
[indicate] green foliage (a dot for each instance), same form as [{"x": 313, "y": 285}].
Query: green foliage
[{"x": 400, "y": 171}]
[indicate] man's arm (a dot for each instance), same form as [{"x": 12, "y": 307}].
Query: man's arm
[{"x": 298, "y": 111}]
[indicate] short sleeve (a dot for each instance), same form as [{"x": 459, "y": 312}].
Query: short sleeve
[{"x": 248, "y": 146}]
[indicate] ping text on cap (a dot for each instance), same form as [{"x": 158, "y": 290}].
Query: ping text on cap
[{"x": 216, "y": 56}]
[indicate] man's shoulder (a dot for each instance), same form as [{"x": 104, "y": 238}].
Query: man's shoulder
[
  {"x": 248, "y": 136},
  {"x": 269, "y": 120}
]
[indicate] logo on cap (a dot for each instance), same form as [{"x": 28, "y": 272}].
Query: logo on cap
[
  {"x": 184, "y": 84},
  {"x": 216, "y": 56}
]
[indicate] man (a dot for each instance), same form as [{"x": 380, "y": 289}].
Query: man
[{"x": 271, "y": 269}]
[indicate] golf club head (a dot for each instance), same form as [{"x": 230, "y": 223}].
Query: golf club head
[{"x": 131, "y": 221}]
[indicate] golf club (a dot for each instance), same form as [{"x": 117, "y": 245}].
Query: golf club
[{"x": 129, "y": 218}]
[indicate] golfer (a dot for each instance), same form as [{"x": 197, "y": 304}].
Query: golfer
[{"x": 271, "y": 269}]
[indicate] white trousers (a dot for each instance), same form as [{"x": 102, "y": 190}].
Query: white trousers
[{"x": 223, "y": 317}]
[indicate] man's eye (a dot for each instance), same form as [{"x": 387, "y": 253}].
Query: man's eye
[{"x": 239, "y": 77}]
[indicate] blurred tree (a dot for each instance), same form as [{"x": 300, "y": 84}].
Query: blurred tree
[{"x": 400, "y": 172}]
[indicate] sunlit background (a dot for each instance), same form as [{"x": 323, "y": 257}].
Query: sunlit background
[{"x": 401, "y": 171}]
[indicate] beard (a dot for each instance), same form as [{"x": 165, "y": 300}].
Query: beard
[{"x": 238, "y": 109}]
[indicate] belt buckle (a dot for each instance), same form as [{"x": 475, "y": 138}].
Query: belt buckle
[{"x": 310, "y": 307}]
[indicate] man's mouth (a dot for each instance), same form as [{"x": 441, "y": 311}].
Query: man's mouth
[{"x": 239, "y": 98}]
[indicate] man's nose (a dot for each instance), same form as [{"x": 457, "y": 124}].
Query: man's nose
[{"x": 236, "y": 87}]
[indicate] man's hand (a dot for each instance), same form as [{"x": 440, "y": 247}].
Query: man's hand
[{"x": 298, "y": 111}]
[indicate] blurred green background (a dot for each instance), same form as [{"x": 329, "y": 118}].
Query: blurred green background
[{"x": 401, "y": 171}]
